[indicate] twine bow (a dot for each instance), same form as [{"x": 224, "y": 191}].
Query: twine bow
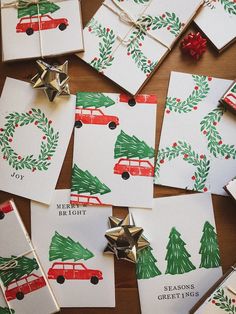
[{"x": 140, "y": 24}]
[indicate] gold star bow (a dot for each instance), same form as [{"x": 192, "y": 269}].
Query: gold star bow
[
  {"x": 52, "y": 78},
  {"x": 125, "y": 240}
]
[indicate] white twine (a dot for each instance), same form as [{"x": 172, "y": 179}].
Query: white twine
[{"x": 127, "y": 18}]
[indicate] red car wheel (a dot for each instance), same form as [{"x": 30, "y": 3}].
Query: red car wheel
[
  {"x": 29, "y": 31},
  {"x": 94, "y": 280},
  {"x": 2, "y": 215},
  {"x": 20, "y": 295}
]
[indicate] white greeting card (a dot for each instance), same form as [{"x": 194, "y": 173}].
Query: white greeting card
[
  {"x": 71, "y": 251},
  {"x": 222, "y": 33},
  {"x": 222, "y": 300},
  {"x": 34, "y": 135},
  {"x": 197, "y": 149},
  {"x": 23, "y": 284},
  {"x": 121, "y": 51},
  {"x": 47, "y": 29},
  {"x": 231, "y": 188},
  {"x": 183, "y": 260},
  {"x": 113, "y": 160}
]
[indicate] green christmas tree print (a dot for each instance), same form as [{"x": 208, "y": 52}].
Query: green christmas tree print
[
  {"x": 43, "y": 7},
  {"x": 6, "y": 310},
  {"x": 65, "y": 248},
  {"x": 177, "y": 257},
  {"x": 214, "y": 140},
  {"x": 224, "y": 302},
  {"x": 84, "y": 182},
  {"x": 146, "y": 267},
  {"x": 131, "y": 147},
  {"x": 209, "y": 250},
  {"x": 25, "y": 266},
  {"x": 93, "y": 100}
]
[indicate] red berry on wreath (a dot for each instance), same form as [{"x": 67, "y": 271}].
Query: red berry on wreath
[
  {"x": 19, "y": 157},
  {"x": 44, "y": 137},
  {"x": 168, "y": 111},
  {"x": 50, "y": 121},
  {"x": 36, "y": 122},
  {"x": 4, "y": 157},
  {"x": 89, "y": 29},
  {"x": 95, "y": 58},
  {"x": 162, "y": 161},
  {"x": 49, "y": 158},
  {"x": 220, "y": 142},
  {"x": 205, "y": 189},
  {"x": 195, "y": 107},
  {"x": 202, "y": 156},
  {"x": 163, "y": 15},
  {"x": 108, "y": 29},
  {"x": 215, "y": 123},
  {"x": 168, "y": 28},
  {"x": 196, "y": 87},
  {"x": 10, "y": 140},
  {"x": 16, "y": 125},
  {"x": 149, "y": 61},
  {"x": 213, "y": 301},
  {"x": 193, "y": 178},
  {"x": 185, "y": 156},
  {"x": 227, "y": 157},
  {"x": 209, "y": 78},
  {"x": 1, "y": 129},
  {"x": 140, "y": 44},
  {"x": 174, "y": 144},
  {"x": 233, "y": 300},
  {"x": 178, "y": 99},
  {"x": 30, "y": 112},
  {"x": 128, "y": 53},
  {"x": 33, "y": 169},
  {"x": 204, "y": 132},
  {"x": 194, "y": 45}
]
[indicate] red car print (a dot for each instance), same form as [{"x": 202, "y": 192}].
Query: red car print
[
  {"x": 18, "y": 288},
  {"x": 73, "y": 271},
  {"x": 94, "y": 116},
  {"x": 231, "y": 100},
  {"x": 134, "y": 167},
  {"x": 5, "y": 209},
  {"x": 84, "y": 199},
  {"x": 31, "y": 24},
  {"x": 144, "y": 99}
]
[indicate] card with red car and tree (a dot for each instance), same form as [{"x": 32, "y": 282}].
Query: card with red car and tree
[
  {"x": 22, "y": 280},
  {"x": 42, "y": 29},
  {"x": 71, "y": 250},
  {"x": 113, "y": 160}
]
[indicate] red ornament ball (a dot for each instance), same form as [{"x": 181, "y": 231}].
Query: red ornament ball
[{"x": 194, "y": 45}]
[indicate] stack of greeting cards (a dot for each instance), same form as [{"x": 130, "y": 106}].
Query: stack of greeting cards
[
  {"x": 48, "y": 28},
  {"x": 127, "y": 40}
]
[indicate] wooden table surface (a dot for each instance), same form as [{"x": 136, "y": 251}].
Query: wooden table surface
[{"x": 84, "y": 78}]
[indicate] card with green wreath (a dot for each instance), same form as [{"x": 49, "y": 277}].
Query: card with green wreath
[
  {"x": 43, "y": 28},
  {"x": 183, "y": 260},
  {"x": 197, "y": 149},
  {"x": 71, "y": 251},
  {"x": 222, "y": 33},
  {"x": 113, "y": 159},
  {"x": 127, "y": 40},
  {"x": 34, "y": 135}
]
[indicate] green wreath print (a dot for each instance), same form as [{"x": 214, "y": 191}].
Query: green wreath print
[
  {"x": 134, "y": 49},
  {"x": 182, "y": 148},
  {"x": 214, "y": 140},
  {"x": 105, "y": 46},
  {"x": 224, "y": 302},
  {"x": 229, "y": 6},
  {"x": 48, "y": 145},
  {"x": 199, "y": 93}
]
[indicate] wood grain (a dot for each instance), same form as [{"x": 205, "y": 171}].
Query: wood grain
[{"x": 84, "y": 78}]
